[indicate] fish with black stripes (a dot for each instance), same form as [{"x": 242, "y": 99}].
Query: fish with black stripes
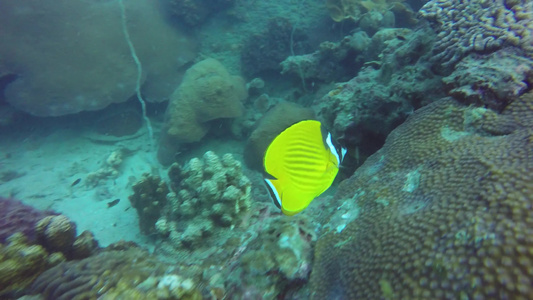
[{"x": 300, "y": 164}]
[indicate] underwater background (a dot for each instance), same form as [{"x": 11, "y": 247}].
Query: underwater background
[{"x": 132, "y": 136}]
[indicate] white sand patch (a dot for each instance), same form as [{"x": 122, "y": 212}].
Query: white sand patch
[{"x": 50, "y": 164}]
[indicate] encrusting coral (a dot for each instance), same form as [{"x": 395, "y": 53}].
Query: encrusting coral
[
  {"x": 281, "y": 248},
  {"x": 383, "y": 93},
  {"x": 450, "y": 219},
  {"x": 370, "y": 11},
  {"x": 208, "y": 92}
]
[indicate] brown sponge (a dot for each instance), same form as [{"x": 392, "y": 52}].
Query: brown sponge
[
  {"x": 273, "y": 122},
  {"x": 208, "y": 92}
]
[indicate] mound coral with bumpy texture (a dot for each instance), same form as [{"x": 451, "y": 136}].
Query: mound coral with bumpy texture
[
  {"x": 210, "y": 192},
  {"x": 56, "y": 233},
  {"x": 478, "y": 26},
  {"x": 123, "y": 274},
  {"x": 445, "y": 211},
  {"x": 21, "y": 262},
  {"x": 208, "y": 92},
  {"x": 15, "y": 217}
]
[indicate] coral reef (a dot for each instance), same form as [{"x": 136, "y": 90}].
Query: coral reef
[
  {"x": 20, "y": 263},
  {"x": 87, "y": 65},
  {"x": 210, "y": 193},
  {"x": 125, "y": 274},
  {"x": 277, "y": 119},
  {"x": 452, "y": 218},
  {"x": 15, "y": 217},
  {"x": 149, "y": 197},
  {"x": 84, "y": 246},
  {"x": 56, "y": 233},
  {"x": 378, "y": 100},
  {"x": 264, "y": 52},
  {"x": 282, "y": 249},
  {"x": 478, "y": 26},
  {"x": 208, "y": 92},
  {"x": 489, "y": 80},
  {"x": 371, "y": 15},
  {"x": 332, "y": 61}
]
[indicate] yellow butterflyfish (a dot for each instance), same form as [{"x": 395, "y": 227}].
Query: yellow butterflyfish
[{"x": 300, "y": 164}]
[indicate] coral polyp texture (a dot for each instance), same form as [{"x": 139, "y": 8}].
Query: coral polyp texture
[
  {"x": 445, "y": 211},
  {"x": 56, "y": 233},
  {"x": 114, "y": 274},
  {"x": 210, "y": 193},
  {"x": 489, "y": 80},
  {"x": 21, "y": 262},
  {"x": 208, "y": 92},
  {"x": 480, "y": 26}
]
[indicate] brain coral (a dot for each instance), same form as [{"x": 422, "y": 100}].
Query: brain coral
[
  {"x": 208, "y": 92},
  {"x": 478, "y": 26},
  {"x": 445, "y": 211}
]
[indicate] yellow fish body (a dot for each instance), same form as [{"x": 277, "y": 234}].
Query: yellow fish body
[{"x": 300, "y": 164}]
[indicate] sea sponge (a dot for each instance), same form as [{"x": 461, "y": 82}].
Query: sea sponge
[
  {"x": 208, "y": 92},
  {"x": 269, "y": 126},
  {"x": 56, "y": 233},
  {"x": 445, "y": 211}
]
